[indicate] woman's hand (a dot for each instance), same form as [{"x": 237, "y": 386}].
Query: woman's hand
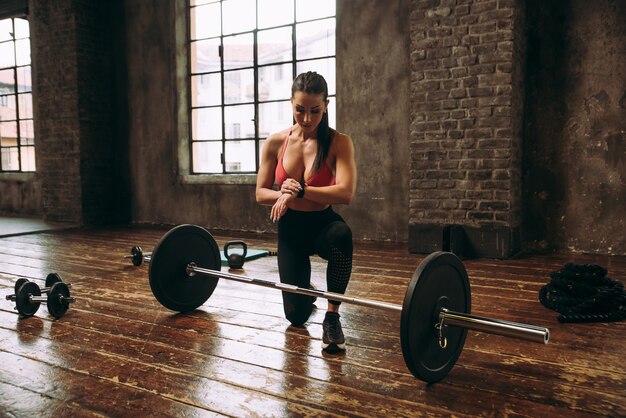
[
  {"x": 290, "y": 186},
  {"x": 280, "y": 207}
]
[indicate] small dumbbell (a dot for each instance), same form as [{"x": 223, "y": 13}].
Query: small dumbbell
[
  {"x": 28, "y": 297},
  {"x": 137, "y": 255}
]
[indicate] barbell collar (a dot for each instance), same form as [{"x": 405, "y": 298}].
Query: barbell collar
[{"x": 495, "y": 326}]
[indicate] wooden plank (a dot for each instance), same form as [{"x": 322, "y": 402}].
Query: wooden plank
[{"x": 241, "y": 340}]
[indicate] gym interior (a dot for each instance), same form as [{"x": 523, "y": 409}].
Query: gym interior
[{"x": 493, "y": 130}]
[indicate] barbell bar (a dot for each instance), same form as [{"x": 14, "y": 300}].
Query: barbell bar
[
  {"x": 435, "y": 314},
  {"x": 446, "y": 317}
]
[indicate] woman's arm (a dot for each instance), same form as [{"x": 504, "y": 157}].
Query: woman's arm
[
  {"x": 265, "y": 194},
  {"x": 345, "y": 175}
]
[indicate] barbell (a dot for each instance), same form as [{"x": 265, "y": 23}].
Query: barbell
[{"x": 185, "y": 268}]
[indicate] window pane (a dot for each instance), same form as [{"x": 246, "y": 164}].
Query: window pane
[
  {"x": 21, "y": 28},
  {"x": 325, "y": 67},
  {"x": 26, "y": 105},
  {"x": 7, "y": 54},
  {"x": 7, "y": 108},
  {"x": 205, "y": 56},
  {"x": 240, "y": 156},
  {"x": 6, "y": 28},
  {"x": 28, "y": 158},
  {"x": 27, "y": 135},
  {"x": 331, "y": 113},
  {"x": 274, "y": 117},
  {"x": 24, "y": 83},
  {"x": 206, "y": 90},
  {"x": 275, "y": 13},
  {"x": 205, "y": 21},
  {"x": 239, "y": 15},
  {"x": 206, "y": 123},
  {"x": 308, "y": 10},
  {"x": 275, "y": 82},
  {"x": 238, "y": 51},
  {"x": 315, "y": 39},
  {"x": 260, "y": 149},
  {"x": 239, "y": 121},
  {"x": 7, "y": 81},
  {"x": 274, "y": 45},
  {"x": 238, "y": 86},
  {"x": 22, "y": 52},
  {"x": 207, "y": 157},
  {"x": 8, "y": 134},
  {"x": 10, "y": 159}
]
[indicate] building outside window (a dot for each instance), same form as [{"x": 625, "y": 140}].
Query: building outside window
[
  {"x": 17, "y": 139},
  {"x": 244, "y": 55}
]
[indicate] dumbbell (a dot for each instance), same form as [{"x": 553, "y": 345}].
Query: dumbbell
[
  {"x": 137, "y": 256},
  {"x": 28, "y": 297}
]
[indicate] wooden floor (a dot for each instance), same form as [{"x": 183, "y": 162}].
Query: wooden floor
[{"x": 117, "y": 352}]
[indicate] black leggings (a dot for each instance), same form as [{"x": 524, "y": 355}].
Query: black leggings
[{"x": 302, "y": 234}]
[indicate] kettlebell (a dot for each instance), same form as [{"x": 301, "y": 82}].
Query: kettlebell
[{"x": 235, "y": 260}]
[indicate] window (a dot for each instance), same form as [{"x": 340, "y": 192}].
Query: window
[
  {"x": 17, "y": 139},
  {"x": 244, "y": 55}
]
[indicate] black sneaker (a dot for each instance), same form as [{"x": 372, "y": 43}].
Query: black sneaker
[{"x": 332, "y": 335}]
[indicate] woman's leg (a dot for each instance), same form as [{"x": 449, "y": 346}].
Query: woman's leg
[
  {"x": 334, "y": 244},
  {"x": 294, "y": 267}
]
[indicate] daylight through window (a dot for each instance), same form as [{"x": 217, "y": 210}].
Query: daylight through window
[
  {"x": 17, "y": 138},
  {"x": 244, "y": 55}
]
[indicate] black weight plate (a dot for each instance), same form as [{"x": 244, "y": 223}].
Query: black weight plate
[
  {"x": 169, "y": 282},
  {"x": 137, "y": 253},
  {"x": 18, "y": 283},
  {"x": 56, "y": 306},
  {"x": 440, "y": 281},
  {"x": 22, "y": 301},
  {"x": 52, "y": 278}
]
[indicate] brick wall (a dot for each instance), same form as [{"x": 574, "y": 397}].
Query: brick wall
[
  {"x": 73, "y": 85},
  {"x": 53, "y": 39},
  {"x": 466, "y": 110}
]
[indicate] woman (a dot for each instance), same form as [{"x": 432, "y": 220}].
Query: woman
[{"x": 314, "y": 168}]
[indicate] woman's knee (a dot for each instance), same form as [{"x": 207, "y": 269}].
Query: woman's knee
[
  {"x": 297, "y": 308},
  {"x": 340, "y": 236}
]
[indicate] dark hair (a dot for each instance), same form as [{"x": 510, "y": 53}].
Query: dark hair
[{"x": 313, "y": 83}]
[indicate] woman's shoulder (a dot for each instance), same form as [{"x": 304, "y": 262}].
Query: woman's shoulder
[
  {"x": 341, "y": 140},
  {"x": 277, "y": 139}
]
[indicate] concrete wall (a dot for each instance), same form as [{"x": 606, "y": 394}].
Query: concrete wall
[
  {"x": 372, "y": 80},
  {"x": 112, "y": 133},
  {"x": 575, "y": 140},
  {"x": 372, "y": 100}
]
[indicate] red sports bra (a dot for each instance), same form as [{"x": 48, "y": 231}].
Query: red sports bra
[{"x": 322, "y": 177}]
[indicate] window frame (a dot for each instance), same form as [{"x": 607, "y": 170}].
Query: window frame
[
  {"x": 186, "y": 146},
  {"x": 20, "y": 173}
]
